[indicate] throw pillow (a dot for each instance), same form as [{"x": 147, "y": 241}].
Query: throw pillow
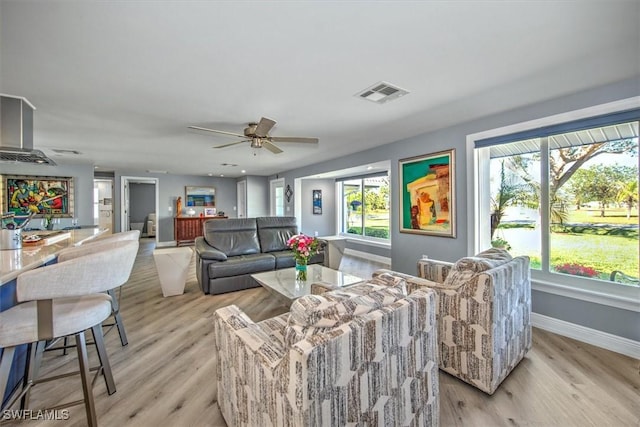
[
  {"x": 388, "y": 279},
  {"x": 314, "y": 314},
  {"x": 467, "y": 267}
]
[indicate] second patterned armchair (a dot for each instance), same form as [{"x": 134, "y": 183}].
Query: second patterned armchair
[
  {"x": 364, "y": 355},
  {"x": 484, "y": 310}
]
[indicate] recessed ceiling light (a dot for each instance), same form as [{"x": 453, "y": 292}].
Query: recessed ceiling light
[
  {"x": 221, "y": 174},
  {"x": 369, "y": 168},
  {"x": 210, "y": 174},
  {"x": 243, "y": 171}
]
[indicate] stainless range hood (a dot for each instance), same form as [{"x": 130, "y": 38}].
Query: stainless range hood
[{"x": 16, "y": 132}]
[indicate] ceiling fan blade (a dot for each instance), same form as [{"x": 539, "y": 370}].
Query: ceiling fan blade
[
  {"x": 269, "y": 146},
  {"x": 264, "y": 126},
  {"x": 293, "y": 139},
  {"x": 216, "y": 131},
  {"x": 233, "y": 143}
]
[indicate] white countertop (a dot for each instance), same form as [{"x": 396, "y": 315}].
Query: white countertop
[{"x": 15, "y": 261}]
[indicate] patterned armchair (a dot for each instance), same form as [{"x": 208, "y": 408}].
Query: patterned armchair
[
  {"x": 484, "y": 310},
  {"x": 365, "y": 355}
]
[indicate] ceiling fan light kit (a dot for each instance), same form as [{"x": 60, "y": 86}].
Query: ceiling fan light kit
[{"x": 257, "y": 134}]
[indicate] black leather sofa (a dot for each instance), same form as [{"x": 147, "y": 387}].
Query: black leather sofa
[{"x": 230, "y": 250}]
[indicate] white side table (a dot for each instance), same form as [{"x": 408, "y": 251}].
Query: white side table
[
  {"x": 334, "y": 251},
  {"x": 173, "y": 265}
]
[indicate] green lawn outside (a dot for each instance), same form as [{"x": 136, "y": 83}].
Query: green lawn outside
[
  {"x": 612, "y": 216},
  {"x": 604, "y": 246}
]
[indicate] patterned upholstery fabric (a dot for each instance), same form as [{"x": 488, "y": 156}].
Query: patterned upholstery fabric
[
  {"x": 435, "y": 271},
  {"x": 379, "y": 368},
  {"x": 314, "y": 314},
  {"x": 484, "y": 325},
  {"x": 465, "y": 268}
]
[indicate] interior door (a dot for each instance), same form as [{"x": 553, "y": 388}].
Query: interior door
[
  {"x": 125, "y": 210},
  {"x": 103, "y": 204},
  {"x": 277, "y": 197},
  {"x": 242, "y": 199}
]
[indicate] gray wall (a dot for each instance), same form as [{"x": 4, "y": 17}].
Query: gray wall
[
  {"x": 324, "y": 224},
  {"x": 142, "y": 202},
  {"x": 82, "y": 182},
  {"x": 407, "y": 248},
  {"x": 172, "y": 186},
  {"x": 257, "y": 196}
]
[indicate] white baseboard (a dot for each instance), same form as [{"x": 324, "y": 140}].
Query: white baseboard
[
  {"x": 601, "y": 339},
  {"x": 366, "y": 255}
]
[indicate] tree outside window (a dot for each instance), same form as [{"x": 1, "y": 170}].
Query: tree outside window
[{"x": 592, "y": 201}]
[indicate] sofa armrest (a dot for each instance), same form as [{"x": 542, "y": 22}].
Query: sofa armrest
[
  {"x": 322, "y": 244},
  {"x": 434, "y": 270},
  {"x": 235, "y": 322},
  {"x": 205, "y": 251}
]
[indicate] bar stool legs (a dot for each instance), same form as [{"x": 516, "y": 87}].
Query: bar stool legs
[
  {"x": 98, "y": 338},
  {"x": 87, "y": 390},
  {"x": 34, "y": 359},
  {"x": 117, "y": 316}
]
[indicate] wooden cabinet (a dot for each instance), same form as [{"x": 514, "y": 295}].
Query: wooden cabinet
[{"x": 187, "y": 228}]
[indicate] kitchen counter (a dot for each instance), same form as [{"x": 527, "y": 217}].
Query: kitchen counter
[{"x": 15, "y": 261}]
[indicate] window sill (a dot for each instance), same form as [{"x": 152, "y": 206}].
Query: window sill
[
  {"x": 627, "y": 300},
  {"x": 364, "y": 241}
]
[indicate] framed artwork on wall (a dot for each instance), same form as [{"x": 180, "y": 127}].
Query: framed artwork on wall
[
  {"x": 41, "y": 195},
  {"x": 427, "y": 199},
  {"x": 200, "y": 196},
  {"x": 317, "y": 202}
]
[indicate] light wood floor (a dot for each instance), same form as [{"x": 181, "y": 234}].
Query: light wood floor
[{"x": 166, "y": 375}]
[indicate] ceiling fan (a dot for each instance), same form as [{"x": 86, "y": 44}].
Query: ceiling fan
[{"x": 258, "y": 135}]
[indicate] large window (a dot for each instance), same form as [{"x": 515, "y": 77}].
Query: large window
[
  {"x": 365, "y": 206},
  {"x": 567, "y": 199}
]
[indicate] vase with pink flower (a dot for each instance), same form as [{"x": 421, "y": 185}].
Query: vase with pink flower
[{"x": 303, "y": 248}]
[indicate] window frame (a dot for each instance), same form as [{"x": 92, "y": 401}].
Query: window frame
[
  {"x": 340, "y": 209},
  {"x": 598, "y": 291}
]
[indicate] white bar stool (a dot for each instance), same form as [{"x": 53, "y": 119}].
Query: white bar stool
[
  {"x": 133, "y": 235},
  {"x": 65, "y": 299}
]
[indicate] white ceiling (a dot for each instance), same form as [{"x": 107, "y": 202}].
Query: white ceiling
[{"x": 121, "y": 81}]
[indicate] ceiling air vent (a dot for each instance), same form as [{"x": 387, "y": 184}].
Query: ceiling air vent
[{"x": 382, "y": 92}]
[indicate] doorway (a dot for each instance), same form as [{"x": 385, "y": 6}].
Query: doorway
[
  {"x": 276, "y": 187},
  {"x": 242, "y": 199},
  {"x": 103, "y": 204},
  {"x": 139, "y": 199}
]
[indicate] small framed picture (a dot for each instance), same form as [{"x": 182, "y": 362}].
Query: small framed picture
[
  {"x": 209, "y": 211},
  {"x": 317, "y": 202}
]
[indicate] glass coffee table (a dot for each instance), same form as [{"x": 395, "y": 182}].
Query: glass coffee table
[{"x": 283, "y": 285}]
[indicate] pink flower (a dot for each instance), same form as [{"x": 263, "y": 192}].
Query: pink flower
[{"x": 303, "y": 246}]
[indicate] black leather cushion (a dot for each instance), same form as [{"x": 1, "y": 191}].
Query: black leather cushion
[
  {"x": 237, "y": 236},
  {"x": 274, "y": 231},
  {"x": 242, "y": 264},
  {"x": 284, "y": 259}
]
